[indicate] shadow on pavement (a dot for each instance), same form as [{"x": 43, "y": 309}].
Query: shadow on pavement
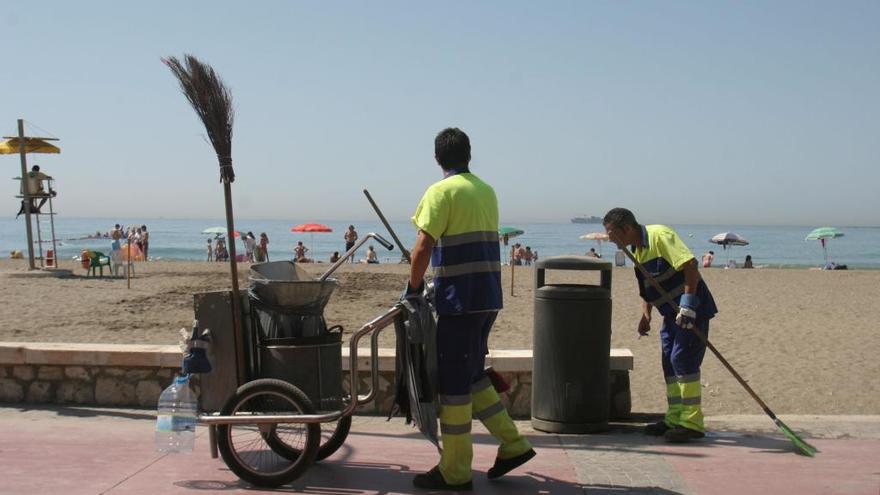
[
  {"x": 352, "y": 478},
  {"x": 90, "y": 411}
]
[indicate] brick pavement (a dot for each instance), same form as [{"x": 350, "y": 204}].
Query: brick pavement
[{"x": 95, "y": 451}]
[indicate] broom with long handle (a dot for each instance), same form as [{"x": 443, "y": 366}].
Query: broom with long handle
[
  {"x": 212, "y": 102},
  {"x": 803, "y": 446}
]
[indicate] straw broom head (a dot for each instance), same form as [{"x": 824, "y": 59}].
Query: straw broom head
[{"x": 212, "y": 102}]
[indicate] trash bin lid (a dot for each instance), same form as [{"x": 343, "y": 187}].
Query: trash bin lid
[
  {"x": 573, "y": 292},
  {"x": 572, "y": 262}
]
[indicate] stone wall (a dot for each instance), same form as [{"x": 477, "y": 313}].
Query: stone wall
[
  {"x": 132, "y": 375},
  {"x": 100, "y": 385}
]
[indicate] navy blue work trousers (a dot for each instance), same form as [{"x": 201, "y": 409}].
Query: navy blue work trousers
[
  {"x": 462, "y": 346},
  {"x": 682, "y": 350}
]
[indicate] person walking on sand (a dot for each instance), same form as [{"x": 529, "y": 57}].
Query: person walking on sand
[
  {"x": 264, "y": 247},
  {"x": 457, "y": 222},
  {"x": 250, "y": 244},
  {"x": 210, "y": 251},
  {"x": 350, "y": 236},
  {"x": 665, "y": 256},
  {"x": 145, "y": 241}
]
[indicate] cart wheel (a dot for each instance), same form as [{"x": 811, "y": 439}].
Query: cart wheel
[
  {"x": 247, "y": 449},
  {"x": 333, "y": 435}
]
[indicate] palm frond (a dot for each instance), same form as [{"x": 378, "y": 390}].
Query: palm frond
[{"x": 212, "y": 102}]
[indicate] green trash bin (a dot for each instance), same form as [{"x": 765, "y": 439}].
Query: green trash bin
[{"x": 571, "y": 347}]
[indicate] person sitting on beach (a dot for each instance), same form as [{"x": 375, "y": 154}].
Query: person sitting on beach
[
  {"x": 708, "y": 258},
  {"x": 299, "y": 253},
  {"x": 748, "y": 262},
  {"x": 335, "y": 257},
  {"x": 593, "y": 254},
  {"x": 210, "y": 251},
  {"x": 372, "y": 257}
]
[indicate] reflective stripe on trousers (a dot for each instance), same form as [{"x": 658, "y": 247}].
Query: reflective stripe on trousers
[
  {"x": 684, "y": 397},
  {"x": 492, "y": 413},
  {"x": 455, "y": 430}
]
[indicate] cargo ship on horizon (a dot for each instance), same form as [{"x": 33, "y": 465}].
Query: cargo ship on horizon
[{"x": 586, "y": 219}]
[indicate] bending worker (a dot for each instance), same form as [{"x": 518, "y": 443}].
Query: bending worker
[
  {"x": 457, "y": 220},
  {"x": 665, "y": 256}
]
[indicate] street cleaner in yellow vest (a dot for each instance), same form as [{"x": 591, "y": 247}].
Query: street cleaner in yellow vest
[
  {"x": 666, "y": 257},
  {"x": 457, "y": 221}
]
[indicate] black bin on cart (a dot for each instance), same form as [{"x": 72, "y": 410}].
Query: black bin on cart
[
  {"x": 571, "y": 347},
  {"x": 292, "y": 340}
]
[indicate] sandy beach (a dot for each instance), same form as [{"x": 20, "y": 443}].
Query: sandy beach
[{"x": 806, "y": 340}]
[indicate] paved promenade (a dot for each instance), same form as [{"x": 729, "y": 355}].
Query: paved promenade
[{"x": 72, "y": 451}]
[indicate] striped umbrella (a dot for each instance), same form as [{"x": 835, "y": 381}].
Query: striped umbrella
[
  {"x": 599, "y": 237},
  {"x": 726, "y": 239}
]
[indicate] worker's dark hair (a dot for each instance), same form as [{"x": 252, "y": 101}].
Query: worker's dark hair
[
  {"x": 620, "y": 217},
  {"x": 452, "y": 149},
  {"x": 35, "y": 168}
]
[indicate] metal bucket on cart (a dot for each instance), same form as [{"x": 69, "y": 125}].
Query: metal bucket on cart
[{"x": 292, "y": 340}]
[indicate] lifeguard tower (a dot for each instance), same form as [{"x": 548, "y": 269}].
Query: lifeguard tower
[{"x": 32, "y": 195}]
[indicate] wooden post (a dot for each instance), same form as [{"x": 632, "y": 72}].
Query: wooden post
[
  {"x": 26, "y": 195},
  {"x": 512, "y": 265},
  {"x": 128, "y": 265}
]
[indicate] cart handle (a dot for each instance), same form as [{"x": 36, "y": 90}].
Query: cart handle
[
  {"x": 342, "y": 259},
  {"x": 376, "y": 325}
]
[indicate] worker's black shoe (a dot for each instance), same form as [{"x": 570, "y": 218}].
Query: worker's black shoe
[
  {"x": 433, "y": 480},
  {"x": 504, "y": 466},
  {"x": 680, "y": 434},
  {"x": 657, "y": 429}
]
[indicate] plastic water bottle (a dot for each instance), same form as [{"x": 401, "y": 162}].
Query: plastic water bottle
[{"x": 176, "y": 419}]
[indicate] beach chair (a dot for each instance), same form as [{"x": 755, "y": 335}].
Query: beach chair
[
  {"x": 116, "y": 262},
  {"x": 97, "y": 262}
]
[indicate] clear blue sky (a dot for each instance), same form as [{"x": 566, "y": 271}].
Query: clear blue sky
[{"x": 687, "y": 112}]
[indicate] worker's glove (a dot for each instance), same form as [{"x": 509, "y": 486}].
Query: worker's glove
[
  {"x": 687, "y": 311},
  {"x": 411, "y": 292}
]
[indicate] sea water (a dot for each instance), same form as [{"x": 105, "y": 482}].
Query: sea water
[{"x": 177, "y": 239}]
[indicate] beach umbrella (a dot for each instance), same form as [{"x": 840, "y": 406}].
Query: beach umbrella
[
  {"x": 31, "y": 145},
  {"x": 822, "y": 234},
  {"x": 726, "y": 239},
  {"x": 311, "y": 228},
  {"x": 212, "y": 102},
  {"x": 599, "y": 237},
  {"x": 510, "y": 232}
]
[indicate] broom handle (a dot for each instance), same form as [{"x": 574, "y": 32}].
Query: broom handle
[
  {"x": 700, "y": 335},
  {"x": 403, "y": 250}
]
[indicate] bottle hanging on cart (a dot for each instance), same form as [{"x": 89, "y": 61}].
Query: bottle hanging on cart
[{"x": 176, "y": 419}]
